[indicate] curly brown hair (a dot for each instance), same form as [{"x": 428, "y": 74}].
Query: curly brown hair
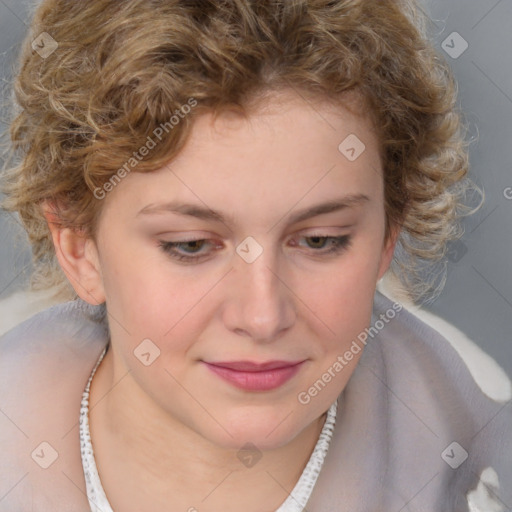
[{"x": 123, "y": 68}]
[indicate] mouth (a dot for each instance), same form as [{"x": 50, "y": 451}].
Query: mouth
[{"x": 252, "y": 376}]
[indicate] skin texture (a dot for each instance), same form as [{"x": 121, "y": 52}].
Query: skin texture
[{"x": 174, "y": 425}]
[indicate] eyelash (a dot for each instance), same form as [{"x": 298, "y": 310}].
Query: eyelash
[{"x": 337, "y": 245}]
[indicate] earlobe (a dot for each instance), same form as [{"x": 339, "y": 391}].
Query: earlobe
[{"x": 78, "y": 258}]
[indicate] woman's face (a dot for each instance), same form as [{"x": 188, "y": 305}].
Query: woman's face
[{"x": 215, "y": 259}]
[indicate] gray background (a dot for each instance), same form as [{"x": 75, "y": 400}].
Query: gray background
[{"x": 478, "y": 294}]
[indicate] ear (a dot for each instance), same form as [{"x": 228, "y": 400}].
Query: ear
[
  {"x": 78, "y": 258},
  {"x": 388, "y": 251}
]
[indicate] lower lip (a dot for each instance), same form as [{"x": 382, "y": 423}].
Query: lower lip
[{"x": 256, "y": 381}]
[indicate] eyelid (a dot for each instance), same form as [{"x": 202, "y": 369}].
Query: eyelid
[
  {"x": 205, "y": 235},
  {"x": 322, "y": 231}
]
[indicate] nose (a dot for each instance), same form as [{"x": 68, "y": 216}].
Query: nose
[{"x": 261, "y": 305}]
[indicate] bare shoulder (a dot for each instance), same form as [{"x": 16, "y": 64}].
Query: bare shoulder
[{"x": 44, "y": 366}]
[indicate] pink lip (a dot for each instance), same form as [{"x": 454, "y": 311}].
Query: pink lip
[
  {"x": 249, "y": 366},
  {"x": 256, "y": 376}
]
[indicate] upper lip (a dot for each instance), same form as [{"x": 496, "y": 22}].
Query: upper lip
[{"x": 250, "y": 366}]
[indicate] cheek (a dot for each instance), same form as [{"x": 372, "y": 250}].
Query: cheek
[
  {"x": 342, "y": 299},
  {"x": 152, "y": 298},
  {"x": 135, "y": 286},
  {"x": 345, "y": 305}
]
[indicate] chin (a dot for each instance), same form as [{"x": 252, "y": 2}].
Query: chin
[{"x": 261, "y": 429}]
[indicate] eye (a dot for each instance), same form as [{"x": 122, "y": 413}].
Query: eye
[
  {"x": 195, "y": 254},
  {"x": 190, "y": 250},
  {"x": 328, "y": 244}
]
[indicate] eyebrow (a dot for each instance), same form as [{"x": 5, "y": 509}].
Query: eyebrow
[{"x": 200, "y": 212}]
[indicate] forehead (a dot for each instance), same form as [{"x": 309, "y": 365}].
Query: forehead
[
  {"x": 294, "y": 111},
  {"x": 289, "y": 149}
]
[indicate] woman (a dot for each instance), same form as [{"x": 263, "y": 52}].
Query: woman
[{"x": 223, "y": 184}]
